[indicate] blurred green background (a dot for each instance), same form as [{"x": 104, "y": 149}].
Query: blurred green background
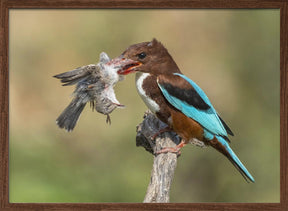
[{"x": 234, "y": 55}]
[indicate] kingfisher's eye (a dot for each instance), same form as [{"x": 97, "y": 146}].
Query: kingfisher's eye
[{"x": 141, "y": 55}]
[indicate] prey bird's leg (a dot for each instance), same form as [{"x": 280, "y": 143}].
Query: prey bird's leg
[
  {"x": 108, "y": 119},
  {"x": 119, "y": 105},
  {"x": 163, "y": 130},
  {"x": 175, "y": 149}
]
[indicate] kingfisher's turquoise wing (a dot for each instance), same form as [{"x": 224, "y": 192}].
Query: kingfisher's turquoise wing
[{"x": 193, "y": 102}]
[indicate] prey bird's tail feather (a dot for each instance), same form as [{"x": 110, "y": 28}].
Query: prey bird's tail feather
[
  {"x": 69, "y": 117},
  {"x": 222, "y": 146}
]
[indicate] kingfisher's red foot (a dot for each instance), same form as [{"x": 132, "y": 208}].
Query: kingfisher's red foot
[
  {"x": 163, "y": 130},
  {"x": 169, "y": 149},
  {"x": 175, "y": 149}
]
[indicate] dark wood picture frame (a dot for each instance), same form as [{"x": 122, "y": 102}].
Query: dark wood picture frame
[{"x": 195, "y": 4}]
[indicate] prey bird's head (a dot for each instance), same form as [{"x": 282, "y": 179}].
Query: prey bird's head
[{"x": 148, "y": 57}]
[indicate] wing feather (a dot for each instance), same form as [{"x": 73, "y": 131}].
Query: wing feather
[{"x": 204, "y": 115}]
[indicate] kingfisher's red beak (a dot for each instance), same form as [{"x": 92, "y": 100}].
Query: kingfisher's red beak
[{"x": 125, "y": 66}]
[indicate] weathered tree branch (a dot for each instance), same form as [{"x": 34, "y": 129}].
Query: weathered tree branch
[{"x": 164, "y": 165}]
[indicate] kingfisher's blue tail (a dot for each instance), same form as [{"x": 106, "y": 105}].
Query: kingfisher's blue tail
[{"x": 228, "y": 152}]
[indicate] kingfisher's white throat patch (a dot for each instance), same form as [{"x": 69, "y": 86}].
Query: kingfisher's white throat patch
[{"x": 151, "y": 104}]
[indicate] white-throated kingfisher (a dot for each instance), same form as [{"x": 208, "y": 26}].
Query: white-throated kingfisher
[{"x": 177, "y": 100}]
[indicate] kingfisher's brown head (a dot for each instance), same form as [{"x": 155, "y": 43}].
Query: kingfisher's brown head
[{"x": 149, "y": 57}]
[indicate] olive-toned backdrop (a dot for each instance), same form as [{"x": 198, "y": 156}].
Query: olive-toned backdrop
[{"x": 234, "y": 55}]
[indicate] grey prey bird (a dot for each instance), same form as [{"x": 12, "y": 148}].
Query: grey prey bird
[{"x": 94, "y": 84}]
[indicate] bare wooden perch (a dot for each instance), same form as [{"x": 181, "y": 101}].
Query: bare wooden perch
[{"x": 164, "y": 165}]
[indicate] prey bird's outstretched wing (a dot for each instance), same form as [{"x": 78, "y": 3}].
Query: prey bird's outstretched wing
[{"x": 77, "y": 75}]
